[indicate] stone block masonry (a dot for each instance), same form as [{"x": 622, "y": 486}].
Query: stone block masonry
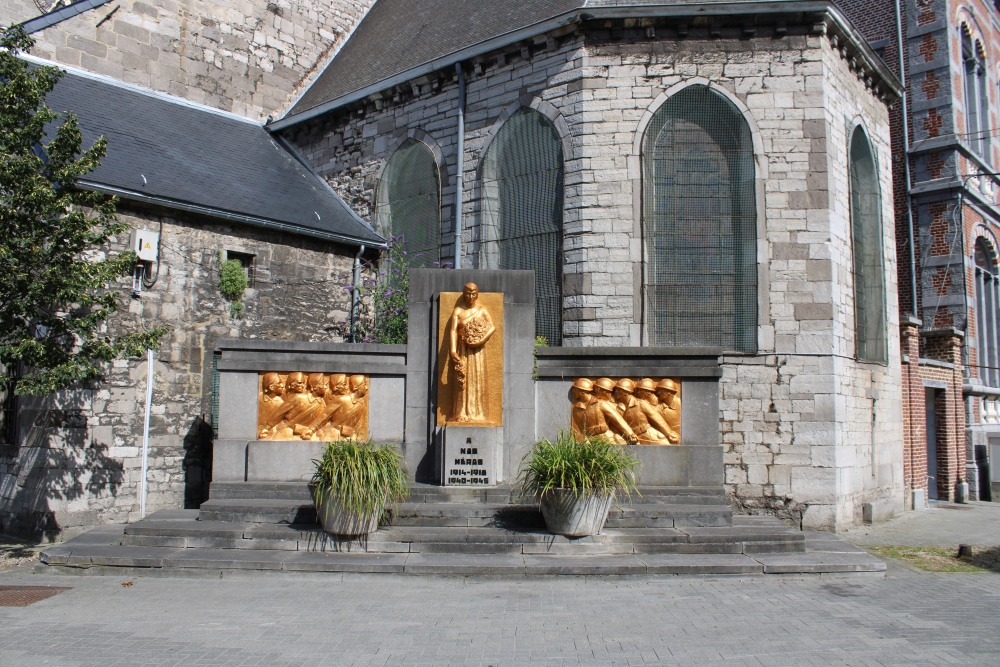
[
  {"x": 250, "y": 58},
  {"x": 77, "y": 458}
]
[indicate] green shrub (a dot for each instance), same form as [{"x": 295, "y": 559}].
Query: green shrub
[
  {"x": 233, "y": 283},
  {"x": 361, "y": 475},
  {"x": 593, "y": 467}
]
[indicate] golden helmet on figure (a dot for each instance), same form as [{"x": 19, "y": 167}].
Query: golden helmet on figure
[{"x": 607, "y": 384}]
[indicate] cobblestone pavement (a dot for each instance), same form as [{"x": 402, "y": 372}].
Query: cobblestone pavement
[{"x": 907, "y": 618}]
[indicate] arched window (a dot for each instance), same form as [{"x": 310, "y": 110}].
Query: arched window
[
  {"x": 987, "y": 315},
  {"x": 408, "y": 202},
  {"x": 700, "y": 224},
  {"x": 977, "y": 111},
  {"x": 523, "y": 211},
  {"x": 869, "y": 267}
]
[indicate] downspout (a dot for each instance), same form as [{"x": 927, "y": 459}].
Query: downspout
[
  {"x": 909, "y": 209},
  {"x": 906, "y": 159},
  {"x": 459, "y": 164},
  {"x": 356, "y": 293}
]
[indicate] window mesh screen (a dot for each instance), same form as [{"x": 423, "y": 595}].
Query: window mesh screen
[
  {"x": 869, "y": 271},
  {"x": 700, "y": 224},
  {"x": 522, "y": 211},
  {"x": 408, "y": 204}
]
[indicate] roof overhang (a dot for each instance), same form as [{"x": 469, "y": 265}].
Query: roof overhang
[{"x": 833, "y": 20}]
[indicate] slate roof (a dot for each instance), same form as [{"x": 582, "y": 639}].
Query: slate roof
[
  {"x": 409, "y": 38},
  {"x": 166, "y": 151}
]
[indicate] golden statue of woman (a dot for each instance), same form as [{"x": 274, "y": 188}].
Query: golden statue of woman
[{"x": 469, "y": 329}]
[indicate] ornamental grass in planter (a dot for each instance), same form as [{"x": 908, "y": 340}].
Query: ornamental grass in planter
[
  {"x": 354, "y": 482},
  {"x": 575, "y": 482}
]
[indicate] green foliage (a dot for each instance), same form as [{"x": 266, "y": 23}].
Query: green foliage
[
  {"x": 233, "y": 283},
  {"x": 540, "y": 341},
  {"x": 56, "y": 278},
  {"x": 383, "y": 312},
  {"x": 361, "y": 475},
  {"x": 593, "y": 467}
]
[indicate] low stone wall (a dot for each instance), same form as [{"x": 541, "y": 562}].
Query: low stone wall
[
  {"x": 240, "y": 456},
  {"x": 697, "y": 459}
]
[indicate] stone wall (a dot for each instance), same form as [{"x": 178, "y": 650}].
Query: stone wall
[
  {"x": 77, "y": 460},
  {"x": 799, "y": 419},
  {"x": 251, "y": 58}
]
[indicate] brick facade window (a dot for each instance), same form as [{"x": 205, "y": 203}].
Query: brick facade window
[
  {"x": 869, "y": 266},
  {"x": 408, "y": 202},
  {"x": 699, "y": 224},
  {"x": 523, "y": 211},
  {"x": 987, "y": 315}
]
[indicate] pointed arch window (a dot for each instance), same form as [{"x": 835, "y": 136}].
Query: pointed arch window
[
  {"x": 977, "y": 111},
  {"x": 869, "y": 265},
  {"x": 523, "y": 211},
  {"x": 408, "y": 202},
  {"x": 699, "y": 224},
  {"x": 987, "y": 314}
]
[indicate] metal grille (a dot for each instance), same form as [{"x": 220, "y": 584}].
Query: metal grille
[
  {"x": 215, "y": 393},
  {"x": 700, "y": 224},
  {"x": 409, "y": 203},
  {"x": 22, "y": 596},
  {"x": 522, "y": 211},
  {"x": 869, "y": 271}
]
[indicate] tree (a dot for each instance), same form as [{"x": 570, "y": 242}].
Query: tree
[{"x": 57, "y": 274}]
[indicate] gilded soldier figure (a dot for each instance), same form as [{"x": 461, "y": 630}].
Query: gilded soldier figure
[
  {"x": 469, "y": 329},
  {"x": 582, "y": 395},
  {"x": 606, "y": 407},
  {"x": 271, "y": 406},
  {"x": 635, "y": 417},
  {"x": 645, "y": 396},
  {"x": 670, "y": 404}
]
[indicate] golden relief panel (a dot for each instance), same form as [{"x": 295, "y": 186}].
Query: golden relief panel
[
  {"x": 643, "y": 411},
  {"x": 470, "y": 358},
  {"x": 312, "y": 406}
]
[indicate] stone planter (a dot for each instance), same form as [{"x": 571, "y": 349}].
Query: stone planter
[
  {"x": 565, "y": 514},
  {"x": 338, "y": 521}
]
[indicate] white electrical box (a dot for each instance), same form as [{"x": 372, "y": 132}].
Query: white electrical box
[{"x": 145, "y": 244}]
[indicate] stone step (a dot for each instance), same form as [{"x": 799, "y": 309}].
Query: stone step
[
  {"x": 426, "y": 493},
  {"x": 99, "y": 552},
  {"x": 668, "y": 516},
  {"x": 256, "y": 510},
  {"x": 491, "y": 539}
]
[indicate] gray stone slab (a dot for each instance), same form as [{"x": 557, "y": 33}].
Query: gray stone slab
[
  {"x": 386, "y": 416},
  {"x": 465, "y": 564},
  {"x": 341, "y": 562},
  {"x": 584, "y": 565},
  {"x": 280, "y": 461},
  {"x": 226, "y": 559},
  {"x": 700, "y": 564},
  {"x": 238, "y": 405},
  {"x": 819, "y": 563}
]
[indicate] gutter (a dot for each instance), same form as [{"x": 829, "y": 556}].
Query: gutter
[
  {"x": 587, "y": 13},
  {"x": 225, "y": 215},
  {"x": 58, "y": 16}
]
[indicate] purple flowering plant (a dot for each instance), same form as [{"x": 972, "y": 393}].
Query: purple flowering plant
[{"x": 383, "y": 297}]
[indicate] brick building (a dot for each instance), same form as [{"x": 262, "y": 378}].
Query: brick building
[
  {"x": 946, "y": 230},
  {"x": 694, "y": 174}
]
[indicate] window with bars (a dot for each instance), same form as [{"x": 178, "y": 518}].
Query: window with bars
[
  {"x": 248, "y": 262},
  {"x": 523, "y": 211},
  {"x": 987, "y": 288},
  {"x": 866, "y": 238},
  {"x": 977, "y": 112},
  {"x": 408, "y": 203},
  {"x": 699, "y": 224}
]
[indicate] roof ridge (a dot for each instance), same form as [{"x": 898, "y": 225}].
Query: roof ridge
[{"x": 149, "y": 92}]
